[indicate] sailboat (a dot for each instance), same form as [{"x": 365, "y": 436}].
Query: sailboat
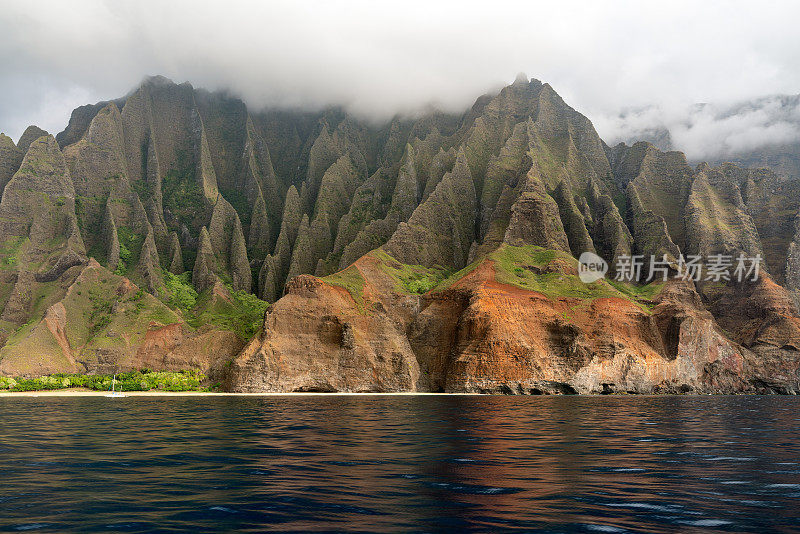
[{"x": 114, "y": 392}]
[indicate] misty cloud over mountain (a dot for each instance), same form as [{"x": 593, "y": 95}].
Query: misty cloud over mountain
[
  {"x": 379, "y": 60},
  {"x": 710, "y": 131}
]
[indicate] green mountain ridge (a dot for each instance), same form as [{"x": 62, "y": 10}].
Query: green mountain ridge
[{"x": 172, "y": 181}]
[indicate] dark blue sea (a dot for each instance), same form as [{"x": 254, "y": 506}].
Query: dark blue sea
[{"x": 400, "y": 463}]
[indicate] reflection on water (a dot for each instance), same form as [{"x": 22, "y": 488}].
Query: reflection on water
[{"x": 585, "y": 464}]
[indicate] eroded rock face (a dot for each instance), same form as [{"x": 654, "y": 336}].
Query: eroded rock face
[
  {"x": 317, "y": 338},
  {"x": 506, "y": 340},
  {"x": 174, "y": 347},
  {"x": 138, "y": 332},
  {"x": 483, "y": 336}
]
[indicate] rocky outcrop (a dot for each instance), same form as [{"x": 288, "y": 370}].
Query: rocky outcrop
[
  {"x": 31, "y": 134},
  {"x": 319, "y": 338},
  {"x": 205, "y": 265},
  {"x": 535, "y": 218},
  {"x": 10, "y": 159},
  {"x": 111, "y": 239},
  {"x": 148, "y": 268},
  {"x": 658, "y": 187},
  {"x": 303, "y": 255},
  {"x": 175, "y": 255},
  {"x": 227, "y": 240},
  {"x": 717, "y": 218},
  {"x": 272, "y": 275}
]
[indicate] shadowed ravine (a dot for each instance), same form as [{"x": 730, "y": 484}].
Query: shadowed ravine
[{"x": 400, "y": 463}]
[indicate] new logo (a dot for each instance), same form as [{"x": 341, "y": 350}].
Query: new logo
[{"x": 591, "y": 267}]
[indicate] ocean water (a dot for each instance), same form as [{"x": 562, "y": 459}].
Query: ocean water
[{"x": 400, "y": 463}]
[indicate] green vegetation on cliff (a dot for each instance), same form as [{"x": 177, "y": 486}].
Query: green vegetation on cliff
[
  {"x": 130, "y": 245},
  {"x": 410, "y": 278},
  {"x": 144, "y": 380},
  {"x": 352, "y": 281},
  {"x": 178, "y": 291},
  {"x": 9, "y": 251},
  {"x": 238, "y": 311},
  {"x": 183, "y": 197},
  {"x": 242, "y": 314},
  {"x": 550, "y": 272},
  {"x": 642, "y": 294},
  {"x": 96, "y": 314},
  {"x": 546, "y": 271}
]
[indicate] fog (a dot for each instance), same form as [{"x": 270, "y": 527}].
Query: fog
[
  {"x": 709, "y": 131},
  {"x": 629, "y": 66}
]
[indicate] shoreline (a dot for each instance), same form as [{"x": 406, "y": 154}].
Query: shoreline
[{"x": 156, "y": 393}]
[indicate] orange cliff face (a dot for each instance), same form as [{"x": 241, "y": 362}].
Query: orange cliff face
[
  {"x": 481, "y": 335},
  {"x": 509, "y": 340},
  {"x": 318, "y": 337}
]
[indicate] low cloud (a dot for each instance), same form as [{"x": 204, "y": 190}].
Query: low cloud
[
  {"x": 710, "y": 131},
  {"x": 378, "y": 59}
]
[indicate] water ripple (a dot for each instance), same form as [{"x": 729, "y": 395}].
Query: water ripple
[{"x": 378, "y": 463}]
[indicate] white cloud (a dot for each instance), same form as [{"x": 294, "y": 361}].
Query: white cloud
[
  {"x": 381, "y": 58},
  {"x": 710, "y": 132}
]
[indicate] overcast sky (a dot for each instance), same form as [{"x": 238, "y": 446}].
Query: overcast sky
[{"x": 383, "y": 58}]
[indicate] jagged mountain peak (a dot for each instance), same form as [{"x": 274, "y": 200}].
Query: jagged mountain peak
[
  {"x": 157, "y": 80},
  {"x": 31, "y": 134}
]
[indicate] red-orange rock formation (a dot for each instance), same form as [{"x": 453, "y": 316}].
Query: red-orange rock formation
[{"x": 480, "y": 335}]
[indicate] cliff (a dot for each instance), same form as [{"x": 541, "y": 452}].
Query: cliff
[{"x": 427, "y": 254}]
